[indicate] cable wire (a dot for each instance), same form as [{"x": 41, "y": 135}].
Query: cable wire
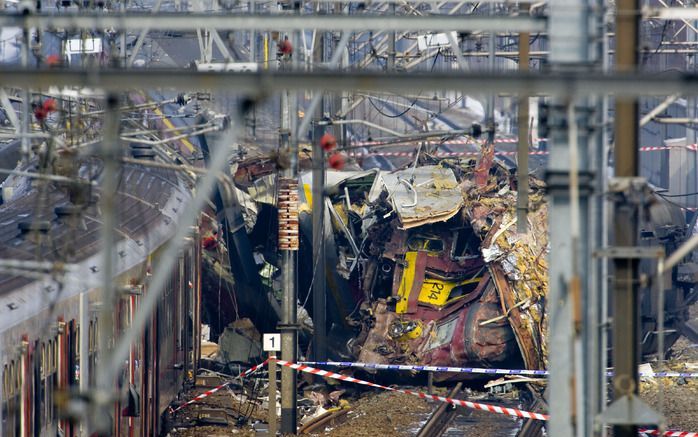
[{"x": 411, "y": 105}]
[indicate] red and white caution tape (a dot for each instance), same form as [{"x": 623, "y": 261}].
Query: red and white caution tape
[
  {"x": 669, "y": 433},
  {"x": 476, "y": 370},
  {"x": 467, "y": 404},
  {"x": 693, "y": 147},
  {"x": 515, "y": 412},
  {"x": 438, "y": 154},
  {"x": 213, "y": 390}
]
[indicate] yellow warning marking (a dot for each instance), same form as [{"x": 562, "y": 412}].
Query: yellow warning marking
[
  {"x": 406, "y": 283},
  {"x": 308, "y": 195},
  {"x": 436, "y": 292},
  {"x": 266, "y": 51},
  {"x": 171, "y": 125}
]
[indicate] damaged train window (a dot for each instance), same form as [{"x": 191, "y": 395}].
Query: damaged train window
[
  {"x": 444, "y": 333},
  {"x": 439, "y": 292},
  {"x": 426, "y": 243},
  {"x": 464, "y": 289},
  {"x": 466, "y": 245}
]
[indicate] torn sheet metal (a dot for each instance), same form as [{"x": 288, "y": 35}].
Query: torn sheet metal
[
  {"x": 520, "y": 272},
  {"x": 474, "y": 286},
  {"x": 424, "y": 266},
  {"x": 420, "y": 195}
]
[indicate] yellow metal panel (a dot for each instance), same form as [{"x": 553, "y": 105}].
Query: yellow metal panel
[
  {"x": 433, "y": 292},
  {"x": 415, "y": 333},
  {"x": 308, "y": 195},
  {"x": 266, "y": 51},
  {"x": 406, "y": 282},
  {"x": 437, "y": 292}
]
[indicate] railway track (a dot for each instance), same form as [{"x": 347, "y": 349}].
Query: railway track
[{"x": 443, "y": 417}]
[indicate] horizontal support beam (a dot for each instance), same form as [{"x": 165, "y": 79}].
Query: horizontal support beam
[
  {"x": 681, "y": 120},
  {"x": 578, "y": 84},
  {"x": 671, "y": 13},
  {"x": 280, "y": 22}
]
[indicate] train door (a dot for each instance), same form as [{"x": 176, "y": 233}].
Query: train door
[
  {"x": 11, "y": 398},
  {"x": 67, "y": 367},
  {"x": 37, "y": 357},
  {"x": 133, "y": 408},
  {"x": 155, "y": 386},
  {"x": 146, "y": 383},
  {"x": 51, "y": 382}
]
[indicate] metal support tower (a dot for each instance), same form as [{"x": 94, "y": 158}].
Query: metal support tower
[
  {"x": 110, "y": 155},
  {"x": 289, "y": 325},
  {"x": 569, "y": 187},
  {"x": 625, "y": 298},
  {"x": 491, "y": 97},
  {"x": 522, "y": 155},
  {"x": 392, "y": 42},
  {"x": 691, "y": 113},
  {"x": 318, "y": 204}
]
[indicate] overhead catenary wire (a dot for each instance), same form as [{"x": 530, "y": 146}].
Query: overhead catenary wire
[{"x": 411, "y": 105}]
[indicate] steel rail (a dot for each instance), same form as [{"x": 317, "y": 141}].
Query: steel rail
[
  {"x": 571, "y": 84},
  {"x": 280, "y": 22},
  {"x": 439, "y": 421}
]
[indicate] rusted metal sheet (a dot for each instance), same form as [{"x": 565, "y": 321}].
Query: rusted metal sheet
[
  {"x": 482, "y": 170},
  {"x": 518, "y": 264},
  {"x": 431, "y": 262},
  {"x": 465, "y": 288}
]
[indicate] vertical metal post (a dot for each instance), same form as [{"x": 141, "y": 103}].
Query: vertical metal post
[
  {"x": 84, "y": 348},
  {"x": 319, "y": 265},
  {"x": 253, "y": 34},
  {"x": 392, "y": 46},
  {"x": 288, "y": 327},
  {"x": 597, "y": 298},
  {"x": 659, "y": 287},
  {"x": 289, "y": 339},
  {"x": 122, "y": 38},
  {"x": 691, "y": 114},
  {"x": 625, "y": 220},
  {"x": 569, "y": 187},
  {"x": 522, "y": 164},
  {"x": 489, "y": 110},
  {"x": 318, "y": 205},
  {"x": 273, "y": 425},
  {"x": 26, "y": 95},
  {"x": 111, "y": 164}
]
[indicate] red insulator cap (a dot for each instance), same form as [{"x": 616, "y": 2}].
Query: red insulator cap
[
  {"x": 40, "y": 113},
  {"x": 328, "y": 142},
  {"x": 53, "y": 60},
  {"x": 50, "y": 105},
  {"x": 336, "y": 161},
  {"x": 285, "y": 47}
]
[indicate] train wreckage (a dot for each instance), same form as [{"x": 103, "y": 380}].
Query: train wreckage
[{"x": 424, "y": 264}]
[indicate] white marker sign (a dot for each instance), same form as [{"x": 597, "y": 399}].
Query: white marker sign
[{"x": 271, "y": 342}]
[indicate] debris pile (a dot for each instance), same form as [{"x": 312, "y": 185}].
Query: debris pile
[{"x": 433, "y": 268}]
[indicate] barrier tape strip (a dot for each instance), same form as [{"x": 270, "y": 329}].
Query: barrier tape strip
[
  {"x": 467, "y": 404},
  {"x": 478, "y": 370},
  {"x": 693, "y": 147},
  {"x": 515, "y": 412},
  {"x": 213, "y": 390},
  {"x": 668, "y": 433}
]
